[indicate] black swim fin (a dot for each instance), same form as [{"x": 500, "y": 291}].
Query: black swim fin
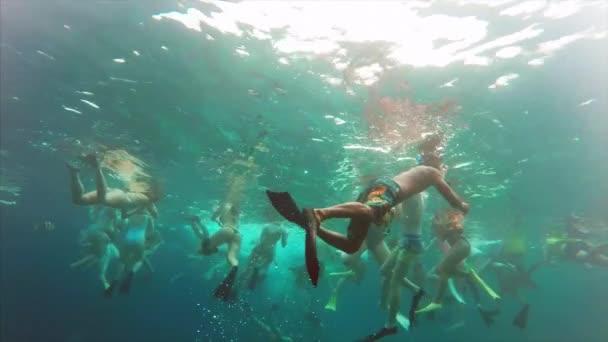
[
  {"x": 287, "y": 207},
  {"x": 380, "y": 334},
  {"x": 414, "y": 305},
  {"x": 110, "y": 290},
  {"x": 222, "y": 291},
  {"x": 125, "y": 286},
  {"x": 488, "y": 316},
  {"x": 521, "y": 319},
  {"x": 253, "y": 280}
]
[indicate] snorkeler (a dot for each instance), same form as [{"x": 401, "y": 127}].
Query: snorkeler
[
  {"x": 396, "y": 267},
  {"x": 379, "y": 198},
  {"x": 263, "y": 255},
  {"x": 448, "y": 227},
  {"x": 576, "y": 250},
  {"x": 375, "y": 202},
  {"x": 136, "y": 236},
  {"x": 374, "y": 245},
  {"x": 126, "y": 202},
  {"x": 227, "y": 216},
  {"x": 98, "y": 242}
]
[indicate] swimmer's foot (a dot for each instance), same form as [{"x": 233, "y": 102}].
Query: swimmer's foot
[
  {"x": 109, "y": 290},
  {"x": 380, "y": 334},
  {"x": 430, "y": 308},
  {"x": 125, "y": 286},
  {"x": 415, "y": 301},
  {"x": 90, "y": 159},
  {"x": 333, "y": 301},
  {"x": 311, "y": 219},
  {"x": 521, "y": 319},
  {"x": 72, "y": 166},
  {"x": 487, "y": 316},
  {"x": 222, "y": 291}
]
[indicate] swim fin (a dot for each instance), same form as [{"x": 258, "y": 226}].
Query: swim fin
[
  {"x": 484, "y": 285},
  {"x": 110, "y": 290},
  {"x": 488, "y": 316},
  {"x": 284, "y": 204},
  {"x": 125, "y": 286},
  {"x": 403, "y": 321},
  {"x": 287, "y": 207},
  {"x": 253, "y": 280},
  {"x": 414, "y": 305},
  {"x": 380, "y": 334},
  {"x": 312, "y": 261},
  {"x": 222, "y": 291},
  {"x": 521, "y": 319},
  {"x": 333, "y": 301}
]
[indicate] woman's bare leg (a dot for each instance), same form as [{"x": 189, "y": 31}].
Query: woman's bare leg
[
  {"x": 398, "y": 279},
  {"x": 379, "y": 252},
  {"x": 233, "y": 251},
  {"x": 450, "y": 265}
]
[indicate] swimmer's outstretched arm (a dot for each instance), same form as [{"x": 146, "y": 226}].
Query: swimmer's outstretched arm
[{"x": 446, "y": 191}]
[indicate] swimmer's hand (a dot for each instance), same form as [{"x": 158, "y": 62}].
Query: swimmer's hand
[
  {"x": 464, "y": 206},
  {"x": 195, "y": 219}
]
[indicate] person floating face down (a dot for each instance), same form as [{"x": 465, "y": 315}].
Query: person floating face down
[
  {"x": 575, "y": 250},
  {"x": 127, "y": 202}
]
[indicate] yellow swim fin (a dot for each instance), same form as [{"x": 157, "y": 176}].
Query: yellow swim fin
[
  {"x": 431, "y": 307},
  {"x": 484, "y": 285},
  {"x": 333, "y": 301},
  {"x": 342, "y": 274}
]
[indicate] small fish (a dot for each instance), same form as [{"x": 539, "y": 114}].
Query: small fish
[
  {"x": 71, "y": 109},
  {"x": 586, "y": 103},
  {"x": 45, "y": 55},
  {"x": 90, "y": 103}
]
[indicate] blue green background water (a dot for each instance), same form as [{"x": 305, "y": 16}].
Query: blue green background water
[{"x": 537, "y": 154}]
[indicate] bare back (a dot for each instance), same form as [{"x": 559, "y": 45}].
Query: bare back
[
  {"x": 419, "y": 178},
  {"x": 415, "y": 180}
]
